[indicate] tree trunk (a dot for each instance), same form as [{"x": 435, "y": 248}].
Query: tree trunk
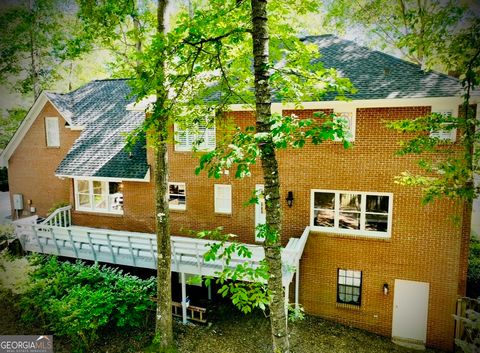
[
  {"x": 164, "y": 332},
  {"x": 272, "y": 245},
  {"x": 34, "y": 56}
]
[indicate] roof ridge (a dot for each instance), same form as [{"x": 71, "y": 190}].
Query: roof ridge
[{"x": 383, "y": 54}]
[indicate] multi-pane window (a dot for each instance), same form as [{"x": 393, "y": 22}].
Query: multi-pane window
[
  {"x": 444, "y": 134},
  {"x": 352, "y": 212},
  {"x": 223, "y": 199},
  {"x": 201, "y": 138},
  {"x": 98, "y": 196},
  {"x": 177, "y": 196},
  {"x": 348, "y": 119},
  {"x": 52, "y": 132},
  {"x": 349, "y": 287}
]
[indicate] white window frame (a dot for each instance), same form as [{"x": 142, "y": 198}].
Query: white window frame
[
  {"x": 108, "y": 209},
  {"x": 55, "y": 141},
  {"x": 177, "y": 207},
  {"x": 444, "y": 135},
  {"x": 359, "y": 232},
  {"x": 350, "y": 115},
  {"x": 218, "y": 200},
  {"x": 208, "y": 135}
]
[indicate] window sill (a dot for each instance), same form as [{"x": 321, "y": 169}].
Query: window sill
[
  {"x": 333, "y": 234},
  {"x": 101, "y": 214},
  {"x": 53, "y": 147},
  {"x": 348, "y": 306},
  {"x": 177, "y": 210},
  {"x": 221, "y": 214}
]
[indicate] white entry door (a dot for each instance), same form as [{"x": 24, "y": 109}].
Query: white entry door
[
  {"x": 410, "y": 313},
  {"x": 260, "y": 215}
]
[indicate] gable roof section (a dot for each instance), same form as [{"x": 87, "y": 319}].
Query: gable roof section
[
  {"x": 100, "y": 151},
  {"x": 377, "y": 75},
  {"x": 25, "y": 125}
]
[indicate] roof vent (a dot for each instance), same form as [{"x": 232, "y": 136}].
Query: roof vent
[{"x": 386, "y": 71}]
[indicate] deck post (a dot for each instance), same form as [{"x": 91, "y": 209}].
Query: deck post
[
  {"x": 297, "y": 285},
  {"x": 286, "y": 300},
  {"x": 38, "y": 239},
  {"x": 73, "y": 243},
  {"x": 55, "y": 240},
  {"x": 209, "y": 291},
  {"x": 94, "y": 254},
  {"x": 184, "y": 297}
]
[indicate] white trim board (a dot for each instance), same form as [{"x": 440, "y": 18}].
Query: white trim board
[{"x": 146, "y": 179}]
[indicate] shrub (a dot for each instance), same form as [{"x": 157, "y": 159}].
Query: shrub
[
  {"x": 77, "y": 300},
  {"x": 473, "y": 275}
]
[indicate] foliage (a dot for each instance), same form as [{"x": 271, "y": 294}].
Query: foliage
[
  {"x": 58, "y": 205},
  {"x": 78, "y": 301},
  {"x": 470, "y": 342},
  {"x": 14, "y": 272},
  {"x": 9, "y": 123},
  {"x": 473, "y": 274},
  {"x": 7, "y": 233},
  {"x": 420, "y": 30}
]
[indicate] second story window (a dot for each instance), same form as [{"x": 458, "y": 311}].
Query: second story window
[
  {"x": 52, "y": 132},
  {"x": 201, "y": 138},
  {"x": 447, "y": 135},
  {"x": 348, "y": 118}
]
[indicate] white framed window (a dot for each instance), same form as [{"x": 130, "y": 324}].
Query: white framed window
[
  {"x": 177, "y": 196},
  {"x": 349, "y": 287},
  {"x": 204, "y": 139},
  {"x": 444, "y": 134},
  {"x": 352, "y": 212},
  {"x": 223, "y": 198},
  {"x": 349, "y": 117},
  {"x": 98, "y": 196},
  {"x": 52, "y": 132}
]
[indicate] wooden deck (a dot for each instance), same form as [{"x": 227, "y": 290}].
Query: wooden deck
[{"x": 140, "y": 249}]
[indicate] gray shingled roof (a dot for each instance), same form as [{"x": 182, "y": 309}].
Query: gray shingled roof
[
  {"x": 100, "y": 106},
  {"x": 377, "y": 75}
]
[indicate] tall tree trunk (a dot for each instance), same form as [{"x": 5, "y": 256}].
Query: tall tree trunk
[
  {"x": 34, "y": 55},
  {"x": 163, "y": 327},
  {"x": 272, "y": 245}
]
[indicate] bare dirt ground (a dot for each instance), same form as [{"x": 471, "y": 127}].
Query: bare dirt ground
[{"x": 228, "y": 331}]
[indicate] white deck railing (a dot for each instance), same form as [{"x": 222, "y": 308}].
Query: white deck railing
[{"x": 61, "y": 217}]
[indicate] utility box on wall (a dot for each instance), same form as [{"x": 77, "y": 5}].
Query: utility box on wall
[{"x": 17, "y": 201}]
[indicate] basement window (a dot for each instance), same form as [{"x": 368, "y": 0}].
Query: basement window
[
  {"x": 98, "y": 196},
  {"x": 349, "y": 287}
]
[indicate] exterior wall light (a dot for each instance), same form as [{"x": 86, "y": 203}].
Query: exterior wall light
[
  {"x": 289, "y": 199},
  {"x": 385, "y": 289}
]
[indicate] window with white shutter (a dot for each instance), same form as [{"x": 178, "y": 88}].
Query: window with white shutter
[
  {"x": 349, "y": 119},
  {"x": 203, "y": 139},
  {"x": 223, "y": 199},
  {"x": 444, "y": 134},
  {"x": 52, "y": 132}
]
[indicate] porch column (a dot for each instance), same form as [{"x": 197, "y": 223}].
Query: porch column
[{"x": 184, "y": 297}]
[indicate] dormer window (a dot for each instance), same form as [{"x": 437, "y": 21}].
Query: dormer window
[{"x": 52, "y": 132}]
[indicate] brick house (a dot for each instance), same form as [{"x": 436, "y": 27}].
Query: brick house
[{"x": 376, "y": 258}]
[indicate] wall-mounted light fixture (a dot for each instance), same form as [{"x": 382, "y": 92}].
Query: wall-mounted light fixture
[
  {"x": 289, "y": 199},
  {"x": 385, "y": 289}
]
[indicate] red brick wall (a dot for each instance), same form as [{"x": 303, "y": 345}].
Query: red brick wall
[
  {"x": 425, "y": 244},
  {"x": 32, "y": 166}
]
